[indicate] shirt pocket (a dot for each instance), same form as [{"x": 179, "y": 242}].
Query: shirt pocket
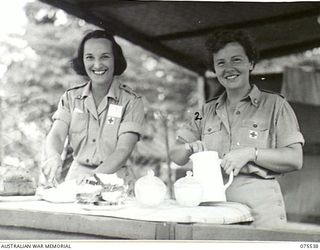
[
  {"x": 212, "y": 136},
  {"x": 78, "y": 122},
  {"x": 254, "y": 134}
]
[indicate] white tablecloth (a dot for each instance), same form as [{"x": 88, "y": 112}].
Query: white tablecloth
[{"x": 168, "y": 211}]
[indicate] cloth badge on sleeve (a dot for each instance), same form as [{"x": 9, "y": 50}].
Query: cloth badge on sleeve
[
  {"x": 115, "y": 111},
  {"x": 110, "y": 120},
  {"x": 253, "y": 134}
]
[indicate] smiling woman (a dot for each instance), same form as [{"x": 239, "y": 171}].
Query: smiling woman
[
  {"x": 102, "y": 117},
  {"x": 255, "y": 133}
]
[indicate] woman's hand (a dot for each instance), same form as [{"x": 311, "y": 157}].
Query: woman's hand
[
  {"x": 50, "y": 168},
  {"x": 236, "y": 159},
  {"x": 196, "y": 146}
]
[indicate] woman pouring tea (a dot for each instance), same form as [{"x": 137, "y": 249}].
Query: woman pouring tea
[{"x": 255, "y": 132}]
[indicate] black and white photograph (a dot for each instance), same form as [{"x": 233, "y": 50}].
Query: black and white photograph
[{"x": 159, "y": 122}]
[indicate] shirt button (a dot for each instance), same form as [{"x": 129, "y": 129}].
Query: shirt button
[
  {"x": 238, "y": 112},
  {"x": 238, "y": 143},
  {"x": 94, "y": 140},
  {"x": 255, "y": 101},
  {"x": 101, "y": 162},
  {"x": 255, "y": 125},
  {"x": 209, "y": 129},
  {"x": 87, "y": 160}
]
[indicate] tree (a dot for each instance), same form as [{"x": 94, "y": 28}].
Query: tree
[{"x": 37, "y": 73}]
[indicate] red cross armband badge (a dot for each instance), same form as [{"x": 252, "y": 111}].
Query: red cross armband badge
[{"x": 253, "y": 134}]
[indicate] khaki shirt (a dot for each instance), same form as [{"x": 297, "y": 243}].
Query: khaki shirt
[
  {"x": 261, "y": 119},
  {"x": 94, "y": 132}
]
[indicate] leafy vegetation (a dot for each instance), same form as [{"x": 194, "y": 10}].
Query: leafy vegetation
[{"x": 38, "y": 72}]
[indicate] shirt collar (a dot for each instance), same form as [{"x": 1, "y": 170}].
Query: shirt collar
[
  {"x": 221, "y": 99},
  {"x": 114, "y": 90},
  {"x": 112, "y": 93},
  {"x": 86, "y": 90},
  {"x": 254, "y": 96}
]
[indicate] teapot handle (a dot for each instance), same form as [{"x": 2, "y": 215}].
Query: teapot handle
[
  {"x": 230, "y": 178},
  {"x": 229, "y": 181}
]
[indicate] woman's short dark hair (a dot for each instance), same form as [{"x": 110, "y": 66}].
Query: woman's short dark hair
[
  {"x": 221, "y": 38},
  {"x": 120, "y": 63}
]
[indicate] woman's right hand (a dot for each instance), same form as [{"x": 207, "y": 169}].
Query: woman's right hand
[
  {"x": 181, "y": 152},
  {"x": 50, "y": 168},
  {"x": 196, "y": 146}
]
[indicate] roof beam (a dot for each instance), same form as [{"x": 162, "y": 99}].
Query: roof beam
[
  {"x": 154, "y": 44},
  {"x": 313, "y": 11}
]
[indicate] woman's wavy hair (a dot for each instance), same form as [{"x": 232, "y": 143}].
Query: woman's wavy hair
[
  {"x": 221, "y": 38},
  {"x": 120, "y": 63}
]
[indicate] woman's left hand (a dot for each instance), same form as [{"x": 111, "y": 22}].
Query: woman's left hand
[{"x": 236, "y": 159}]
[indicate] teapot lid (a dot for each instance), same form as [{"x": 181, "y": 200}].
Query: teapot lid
[
  {"x": 150, "y": 180},
  {"x": 187, "y": 180},
  {"x": 205, "y": 155}
]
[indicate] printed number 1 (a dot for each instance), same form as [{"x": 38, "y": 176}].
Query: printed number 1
[{"x": 197, "y": 114}]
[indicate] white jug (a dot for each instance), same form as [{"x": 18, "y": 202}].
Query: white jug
[{"x": 207, "y": 171}]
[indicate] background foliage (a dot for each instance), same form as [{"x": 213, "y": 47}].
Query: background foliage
[{"x": 37, "y": 66}]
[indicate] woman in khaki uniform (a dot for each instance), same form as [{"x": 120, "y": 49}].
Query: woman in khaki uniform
[
  {"x": 255, "y": 132},
  {"x": 102, "y": 118}
]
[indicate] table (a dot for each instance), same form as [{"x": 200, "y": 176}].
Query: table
[{"x": 19, "y": 223}]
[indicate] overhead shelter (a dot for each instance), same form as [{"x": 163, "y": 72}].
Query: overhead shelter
[{"x": 177, "y": 30}]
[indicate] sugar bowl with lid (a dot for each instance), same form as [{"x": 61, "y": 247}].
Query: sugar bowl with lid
[{"x": 188, "y": 191}]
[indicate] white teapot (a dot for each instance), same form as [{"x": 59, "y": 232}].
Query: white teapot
[{"x": 207, "y": 170}]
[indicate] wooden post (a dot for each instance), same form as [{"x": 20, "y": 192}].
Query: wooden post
[
  {"x": 166, "y": 131},
  {"x": 201, "y": 93}
]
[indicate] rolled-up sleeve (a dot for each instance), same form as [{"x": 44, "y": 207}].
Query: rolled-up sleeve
[
  {"x": 63, "y": 111},
  {"x": 287, "y": 127},
  {"x": 133, "y": 117}
]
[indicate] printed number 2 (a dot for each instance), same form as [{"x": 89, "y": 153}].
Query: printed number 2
[{"x": 197, "y": 114}]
